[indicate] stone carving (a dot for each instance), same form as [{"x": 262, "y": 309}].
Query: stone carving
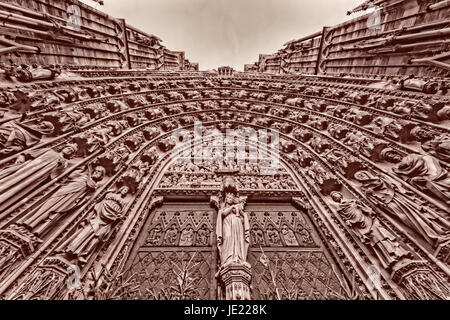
[
  {"x": 26, "y": 73},
  {"x": 426, "y": 222},
  {"x": 71, "y": 194},
  {"x": 16, "y": 136},
  {"x": 97, "y": 228},
  {"x": 233, "y": 230},
  {"x": 24, "y": 176},
  {"x": 367, "y": 227},
  {"x": 425, "y": 173},
  {"x": 439, "y": 147}
]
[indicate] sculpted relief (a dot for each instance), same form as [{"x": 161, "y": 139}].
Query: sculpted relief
[{"x": 82, "y": 179}]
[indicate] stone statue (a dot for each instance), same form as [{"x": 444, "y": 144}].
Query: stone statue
[
  {"x": 233, "y": 230},
  {"x": 425, "y": 173},
  {"x": 97, "y": 228},
  {"x": 187, "y": 236},
  {"x": 434, "y": 228},
  {"x": 21, "y": 178},
  {"x": 439, "y": 147},
  {"x": 80, "y": 183},
  {"x": 203, "y": 233},
  {"x": 288, "y": 235},
  {"x": 154, "y": 236},
  {"x": 16, "y": 136},
  {"x": 171, "y": 235},
  {"x": 361, "y": 219}
]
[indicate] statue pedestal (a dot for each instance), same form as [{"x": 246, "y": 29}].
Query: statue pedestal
[{"x": 236, "y": 279}]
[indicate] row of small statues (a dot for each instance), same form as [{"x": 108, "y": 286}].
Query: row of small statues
[
  {"x": 266, "y": 182},
  {"x": 433, "y": 110}
]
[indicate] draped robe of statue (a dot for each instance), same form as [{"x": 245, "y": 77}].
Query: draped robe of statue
[
  {"x": 97, "y": 228},
  {"x": 428, "y": 223},
  {"x": 370, "y": 231},
  {"x": 65, "y": 199},
  {"x": 19, "y": 179},
  {"x": 438, "y": 147},
  {"x": 15, "y": 136},
  {"x": 233, "y": 229},
  {"x": 426, "y": 173}
]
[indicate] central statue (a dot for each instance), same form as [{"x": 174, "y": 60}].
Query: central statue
[{"x": 233, "y": 227}]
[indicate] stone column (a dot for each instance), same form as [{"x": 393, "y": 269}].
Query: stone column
[{"x": 236, "y": 279}]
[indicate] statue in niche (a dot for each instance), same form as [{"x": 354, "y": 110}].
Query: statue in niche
[
  {"x": 425, "y": 173},
  {"x": 75, "y": 191},
  {"x": 402, "y": 205},
  {"x": 203, "y": 235},
  {"x": 257, "y": 236},
  {"x": 170, "y": 238},
  {"x": 390, "y": 155},
  {"x": 288, "y": 235},
  {"x": 387, "y": 127},
  {"x": 154, "y": 236},
  {"x": 187, "y": 236},
  {"x": 273, "y": 236},
  {"x": 360, "y": 143},
  {"x": 16, "y": 136},
  {"x": 21, "y": 178},
  {"x": 363, "y": 222},
  {"x": 305, "y": 235},
  {"x": 97, "y": 227},
  {"x": 233, "y": 227}
]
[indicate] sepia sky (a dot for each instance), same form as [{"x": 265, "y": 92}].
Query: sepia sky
[{"x": 228, "y": 32}]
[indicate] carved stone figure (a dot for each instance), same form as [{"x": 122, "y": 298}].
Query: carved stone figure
[
  {"x": 97, "y": 228},
  {"x": 75, "y": 191},
  {"x": 16, "y": 136},
  {"x": 288, "y": 235},
  {"x": 439, "y": 147},
  {"x": 21, "y": 178},
  {"x": 360, "y": 143},
  {"x": 203, "y": 234},
  {"x": 154, "y": 236},
  {"x": 425, "y": 173},
  {"x": 233, "y": 230},
  {"x": 363, "y": 222},
  {"x": 257, "y": 236},
  {"x": 187, "y": 236},
  {"x": 397, "y": 202},
  {"x": 273, "y": 236}
]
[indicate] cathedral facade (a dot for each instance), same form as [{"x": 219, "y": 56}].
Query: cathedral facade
[{"x": 321, "y": 172}]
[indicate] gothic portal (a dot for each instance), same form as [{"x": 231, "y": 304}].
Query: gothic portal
[{"x": 321, "y": 172}]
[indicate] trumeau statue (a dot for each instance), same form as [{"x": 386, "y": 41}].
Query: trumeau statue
[
  {"x": 366, "y": 226},
  {"x": 233, "y": 227},
  {"x": 97, "y": 227},
  {"x": 21, "y": 178},
  {"x": 434, "y": 228},
  {"x": 80, "y": 183}
]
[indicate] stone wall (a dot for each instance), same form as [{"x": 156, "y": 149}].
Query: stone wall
[
  {"x": 46, "y": 32},
  {"x": 396, "y": 38}
]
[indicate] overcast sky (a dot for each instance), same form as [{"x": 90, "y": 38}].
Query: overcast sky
[{"x": 228, "y": 32}]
